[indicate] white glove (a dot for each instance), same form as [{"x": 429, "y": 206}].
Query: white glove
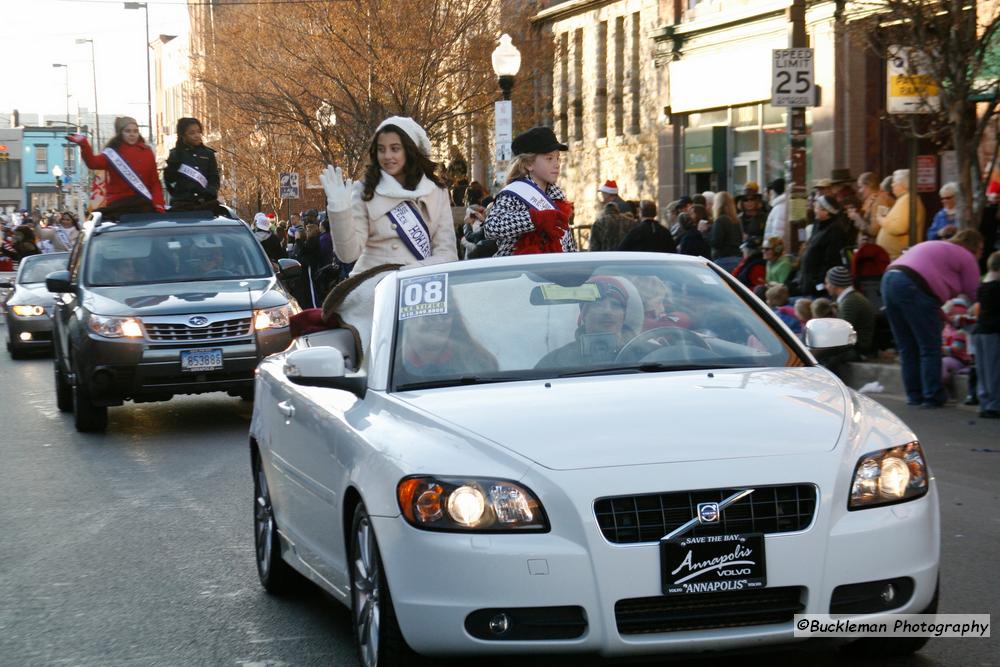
[{"x": 337, "y": 188}]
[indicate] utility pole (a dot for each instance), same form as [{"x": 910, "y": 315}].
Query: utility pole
[{"x": 797, "y": 188}]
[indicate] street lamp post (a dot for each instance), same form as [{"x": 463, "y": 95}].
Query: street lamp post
[
  {"x": 149, "y": 89},
  {"x": 66, "y": 68},
  {"x": 58, "y": 172},
  {"x": 93, "y": 67},
  {"x": 506, "y": 63}
]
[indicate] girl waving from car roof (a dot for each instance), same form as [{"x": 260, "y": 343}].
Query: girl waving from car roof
[
  {"x": 133, "y": 182},
  {"x": 531, "y": 215},
  {"x": 192, "y": 174},
  {"x": 400, "y": 213}
]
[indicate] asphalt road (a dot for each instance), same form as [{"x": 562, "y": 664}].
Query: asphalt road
[{"x": 135, "y": 547}]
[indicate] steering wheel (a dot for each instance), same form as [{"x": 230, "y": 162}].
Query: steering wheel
[
  {"x": 679, "y": 337},
  {"x": 219, "y": 273}
]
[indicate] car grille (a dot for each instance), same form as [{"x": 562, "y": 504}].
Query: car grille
[
  {"x": 160, "y": 331},
  {"x": 729, "y": 609},
  {"x": 647, "y": 518}
]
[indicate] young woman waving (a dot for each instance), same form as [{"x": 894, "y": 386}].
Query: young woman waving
[
  {"x": 400, "y": 213},
  {"x": 133, "y": 182}
]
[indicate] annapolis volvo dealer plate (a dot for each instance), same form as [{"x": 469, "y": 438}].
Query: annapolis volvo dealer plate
[{"x": 713, "y": 563}]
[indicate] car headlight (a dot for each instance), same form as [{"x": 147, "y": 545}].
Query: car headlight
[
  {"x": 889, "y": 476},
  {"x": 28, "y": 311},
  {"x": 115, "y": 327},
  {"x": 483, "y": 505},
  {"x": 272, "y": 318}
]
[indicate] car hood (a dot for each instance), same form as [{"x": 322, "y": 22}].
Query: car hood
[
  {"x": 31, "y": 294},
  {"x": 604, "y": 421},
  {"x": 209, "y": 296}
]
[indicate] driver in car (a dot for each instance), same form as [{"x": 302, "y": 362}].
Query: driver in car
[
  {"x": 211, "y": 259},
  {"x": 601, "y": 330},
  {"x": 123, "y": 271}
]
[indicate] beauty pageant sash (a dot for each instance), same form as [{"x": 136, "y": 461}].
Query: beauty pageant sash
[
  {"x": 529, "y": 193},
  {"x": 412, "y": 229},
  {"x": 193, "y": 174},
  {"x": 125, "y": 171}
]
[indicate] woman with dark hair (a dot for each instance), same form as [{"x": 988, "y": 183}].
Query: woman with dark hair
[
  {"x": 21, "y": 244},
  {"x": 401, "y": 212},
  {"x": 192, "y": 174},
  {"x": 133, "y": 184}
]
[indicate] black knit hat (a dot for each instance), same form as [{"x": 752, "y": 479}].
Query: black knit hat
[{"x": 537, "y": 140}]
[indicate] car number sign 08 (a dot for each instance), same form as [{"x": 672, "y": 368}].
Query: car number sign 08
[
  {"x": 713, "y": 563},
  {"x": 208, "y": 359},
  {"x": 424, "y": 295}
]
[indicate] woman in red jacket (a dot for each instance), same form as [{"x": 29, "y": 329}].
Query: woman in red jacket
[{"x": 133, "y": 182}]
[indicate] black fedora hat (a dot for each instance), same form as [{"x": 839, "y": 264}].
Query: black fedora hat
[{"x": 537, "y": 140}]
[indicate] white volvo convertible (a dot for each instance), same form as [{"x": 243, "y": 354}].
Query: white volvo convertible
[{"x": 608, "y": 453}]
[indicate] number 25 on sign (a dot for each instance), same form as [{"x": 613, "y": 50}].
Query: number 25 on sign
[{"x": 792, "y": 78}]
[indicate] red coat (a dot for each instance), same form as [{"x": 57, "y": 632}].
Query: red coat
[{"x": 143, "y": 162}]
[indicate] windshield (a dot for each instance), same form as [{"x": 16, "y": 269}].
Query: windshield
[
  {"x": 36, "y": 267},
  {"x": 591, "y": 317},
  {"x": 174, "y": 255}
]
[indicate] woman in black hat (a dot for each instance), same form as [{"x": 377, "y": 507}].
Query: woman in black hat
[{"x": 531, "y": 214}]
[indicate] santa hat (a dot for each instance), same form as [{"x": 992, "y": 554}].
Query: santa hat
[
  {"x": 416, "y": 133},
  {"x": 609, "y": 187}
]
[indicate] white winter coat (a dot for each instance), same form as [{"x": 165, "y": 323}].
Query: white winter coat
[{"x": 364, "y": 233}]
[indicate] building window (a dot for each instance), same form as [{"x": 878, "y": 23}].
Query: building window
[
  {"x": 578, "y": 84},
  {"x": 619, "y": 77},
  {"x": 601, "y": 99},
  {"x": 634, "y": 83},
  {"x": 41, "y": 159},
  {"x": 10, "y": 174},
  {"x": 564, "y": 85},
  {"x": 69, "y": 159}
]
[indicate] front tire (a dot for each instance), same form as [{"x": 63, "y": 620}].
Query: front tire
[
  {"x": 377, "y": 635},
  {"x": 276, "y": 576},
  {"x": 88, "y": 417}
]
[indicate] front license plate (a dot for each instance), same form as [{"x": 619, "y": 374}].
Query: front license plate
[
  {"x": 713, "y": 563},
  {"x": 201, "y": 360}
]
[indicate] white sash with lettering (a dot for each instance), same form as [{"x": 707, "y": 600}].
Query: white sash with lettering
[
  {"x": 63, "y": 237},
  {"x": 125, "y": 171},
  {"x": 529, "y": 193},
  {"x": 411, "y": 229},
  {"x": 193, "y": 174}
]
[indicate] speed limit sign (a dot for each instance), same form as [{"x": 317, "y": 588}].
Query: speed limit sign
[{"x": 792, "y": 80}]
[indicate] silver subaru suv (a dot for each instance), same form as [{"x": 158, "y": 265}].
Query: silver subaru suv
[{"x": 155, "y": 305}]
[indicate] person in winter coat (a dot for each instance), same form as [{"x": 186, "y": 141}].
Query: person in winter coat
[
  {"x": 752, "y": 269},
  {"x": 531, "y": 213},
  {"x": 401, "y": 212},
  {"x": 823, "y": 251},
  {"x": 192, "y": 174},
  {"x": 691, "y": 242},
  {"x": 21, "y": 244},
  {"x": 133, "y": 184},
  {"x": 726, "y": 234},
  {"x": 776, "y": 223},
  {"x": 273, "y": 247},
  {"x": 649, "y": 235}
]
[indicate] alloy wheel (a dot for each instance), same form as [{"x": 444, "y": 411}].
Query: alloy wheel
[
  {"x": 263, "y": 524},
  {"x": 367, "y": 608}
]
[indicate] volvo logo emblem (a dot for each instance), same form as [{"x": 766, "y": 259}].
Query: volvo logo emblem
[
  {"x": 708, "y": 513},
  {"x": 198, "y": 321}
]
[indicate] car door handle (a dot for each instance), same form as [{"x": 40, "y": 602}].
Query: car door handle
[{"x": 286, "y": 409}]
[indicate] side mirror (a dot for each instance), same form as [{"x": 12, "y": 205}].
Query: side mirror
[
  {"x": 829, "y": 333},
  {"x": 323, "y": 367},
  {"x": 57, "y": 282},
  {"x": 289, "y": 268},
  {"x": 6, "y": 284}
]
